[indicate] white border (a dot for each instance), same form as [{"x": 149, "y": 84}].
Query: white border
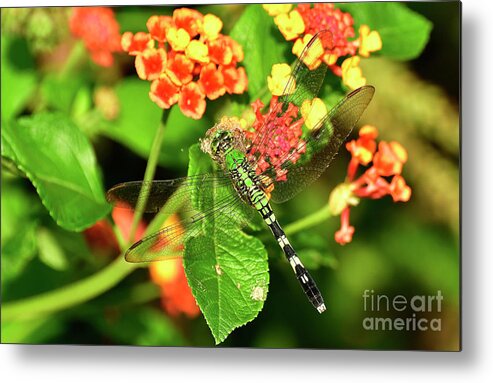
[{"x": 474, "y": 364}]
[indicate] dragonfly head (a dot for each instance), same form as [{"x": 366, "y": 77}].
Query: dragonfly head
[{"x": 224, "y": 136}]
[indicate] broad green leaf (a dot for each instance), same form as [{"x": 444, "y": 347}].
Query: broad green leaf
[
  {"x": 404, "y": 32},
  {"x": 226, "y": 269},
  {"x": 138, "y": 121},
  {"x": 262, "y": 44},
  {"x": 60, "y": 162},
  {"x": 50, "y": 252},
  {"x": 18, "y": 76}
]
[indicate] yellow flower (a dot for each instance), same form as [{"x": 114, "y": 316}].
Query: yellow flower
[
  {"x": 314, "y": 57},
  {"x": 291, "y": 26},
  {"x": 352, "y": 75},
  {"x": 197, "y": 51},
  {"x": 212, "y": 26},
  {"x": 277, "y": 81},
  {"x": 341, "y": 197},
  {"x": 313, "y": 111},
  {"x": 369, "y": 41},
  {"x": 177, "y": 38},
  {"x": 277, "y": 9}
]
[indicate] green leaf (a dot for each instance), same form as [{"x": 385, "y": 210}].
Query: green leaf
[
  {"x": 18, "y": 76},
  {"x": 138, "y": 121},
  {"x": 404, "y": 32},
  {"x": 50, "y": 252},
  {"x": 60, "y": 162},
  {"x": 262, "y": 44},
  {"x": 226, "y": 269}
]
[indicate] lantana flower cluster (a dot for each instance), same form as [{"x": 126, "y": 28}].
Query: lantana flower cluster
[
  {"x": 186, "y": 59},
  {"x": 381, "y": 178},
  {"x": 285, "y": 129},
  {"x": 98, "y": 28},
  {"x": 304, "y": 21},
  {"x": 284, "y": 139}
]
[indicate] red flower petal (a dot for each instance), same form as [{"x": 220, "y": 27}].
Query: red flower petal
[
  {"x": 188, "y": 19},
  {"x": 150, "y": 64},
  {"x": 157, "y": 26},
  {"x": 212, "y": 81},
  {"x": 164, "y": 93},
  {"x": 135, "y": 44},
  {"x": 180, "y": 68},
  {"x": 235, "y": 79},
  {"x": 192, "y": 101},
  {"x": 220, "y": 51}
]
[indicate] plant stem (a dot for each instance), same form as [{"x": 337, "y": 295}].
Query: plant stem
[
  {"x": 70, "y": 295},
  {"x": 96, "y": 284},
  {"x": 148, "y": 175},
  {"x": 309, "y": 221}
]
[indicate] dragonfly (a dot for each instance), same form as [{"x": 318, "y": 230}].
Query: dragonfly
[{"x": 237, "y": 172}]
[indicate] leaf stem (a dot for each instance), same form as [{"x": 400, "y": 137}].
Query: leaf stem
[{"x": 70, "y": 295}]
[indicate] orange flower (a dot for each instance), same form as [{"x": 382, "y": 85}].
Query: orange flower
[
  {"x": 192, "y": 100},
  {"x": 235, "y": 79},
  {"x": 176, "y": 295},
  {"x": 135, "y": 44},
  {"x": 187, "y": 59},
  {"x": 387, "y": 161},
  {"x": 363, "y": 148},
  {"x": 389, "y": 158},
  {"x": 180, "y": 69},
  {"x": 164, "y": 93},
  {"x": 399, "y": 190},
  {"x": 158, "y": 26},
  {"x": 150, "y": 64},
  {"x": 212, "y": 81},
  {"x": 188, "y": 19},
  {"x": 345, "y": 234},
  {"x": 169, "y": 275},
  {"x": 99, "y": 30}
]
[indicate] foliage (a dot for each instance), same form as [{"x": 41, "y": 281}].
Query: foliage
[{"x": 62, "y": 146}]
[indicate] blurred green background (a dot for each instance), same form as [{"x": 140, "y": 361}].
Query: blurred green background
[{"x": 409, "y": 249}]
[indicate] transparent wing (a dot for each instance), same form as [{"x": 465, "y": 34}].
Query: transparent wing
[
  {"x": 305, "y": 163},
  {"x": 314, "y": 155},
  {"x": 213, "y": 193},
  {"x": 164, "y": 194},
  {"x": 168, "y": 242},
  {"x": 307, "y": 84}
]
